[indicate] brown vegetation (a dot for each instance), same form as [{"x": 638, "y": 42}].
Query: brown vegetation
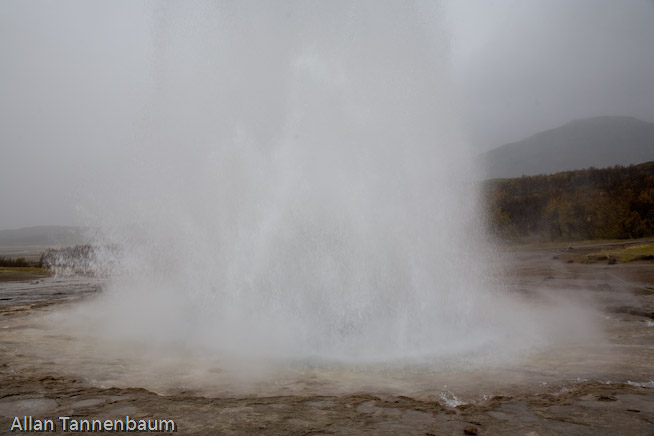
[
  {"x": 19, "y": 262},
  {"x": 608, "y": 203}
]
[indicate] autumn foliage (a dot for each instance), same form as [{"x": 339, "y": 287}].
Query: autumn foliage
[{"x": 608, "y": 203}]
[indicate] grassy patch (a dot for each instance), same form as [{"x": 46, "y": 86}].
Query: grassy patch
[
  {"x": 627, "y": 254},
  {"x": 562, "y": 245},
  {"x": 10, "y": 274},
  {"x": 25, "y": 270}
]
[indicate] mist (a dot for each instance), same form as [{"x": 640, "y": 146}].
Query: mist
[
  {"x": 293, "y": 182},
  {"x": 79, "y": 80},
  {"x": 281, "y": 226}
]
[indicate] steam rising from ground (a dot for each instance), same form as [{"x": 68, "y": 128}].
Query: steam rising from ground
[{"x": 299, "y": 189}]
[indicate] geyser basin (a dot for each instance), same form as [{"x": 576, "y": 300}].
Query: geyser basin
[{"x": 300, "y": 189}]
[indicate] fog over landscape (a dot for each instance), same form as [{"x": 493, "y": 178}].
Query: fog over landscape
[
  {"x": 79, "y": 86},
  {"x": 327, "y": 217}
]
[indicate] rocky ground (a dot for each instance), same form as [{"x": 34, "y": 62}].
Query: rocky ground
[{"x": 615, "y": 396}]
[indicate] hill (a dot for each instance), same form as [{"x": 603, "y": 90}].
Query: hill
[
  {"x": 42, "y": 236},
  {"x": 595, "y": 142}
]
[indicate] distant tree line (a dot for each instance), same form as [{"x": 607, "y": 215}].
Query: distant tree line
[
  {"x": 78, "y": 257},
  {"x": 18, "y": 262},
  {"x": 608, "y": 203}
]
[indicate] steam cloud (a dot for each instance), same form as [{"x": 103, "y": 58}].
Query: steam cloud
[{"x": 300, "y": 188}]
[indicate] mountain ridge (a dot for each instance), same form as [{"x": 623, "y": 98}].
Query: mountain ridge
[
  {"x": 592, "y": 142},
  {"x": 43, "y": 236}
]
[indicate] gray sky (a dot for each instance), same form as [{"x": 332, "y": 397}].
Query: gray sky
[
  {"x": 524, "y": 66},
  {"x": 77, "y": 80}
]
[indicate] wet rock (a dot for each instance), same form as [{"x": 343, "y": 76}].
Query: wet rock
[{"x": 27, "y": 406}]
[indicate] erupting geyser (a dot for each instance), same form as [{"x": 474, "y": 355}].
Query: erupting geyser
[{"x": 300, "y": 189}]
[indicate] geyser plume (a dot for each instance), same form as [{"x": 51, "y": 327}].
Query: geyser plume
[{"x": 299, "y": 188}]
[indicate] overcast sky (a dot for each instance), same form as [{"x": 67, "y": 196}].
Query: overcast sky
[
  {"x": 77, "y": 79},
  {"x": 525, "y": 66}
]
